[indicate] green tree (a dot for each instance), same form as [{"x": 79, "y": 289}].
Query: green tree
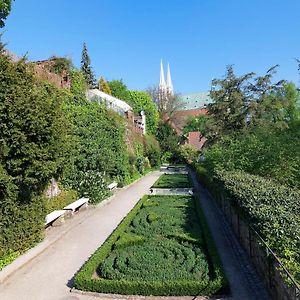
[
  {"x": 33, "y": 128},
  {"x": 142, "y": 101},
  {"x": 118, "y": 89},
  {"x": 245, "y": 101},
  {"x": 104, "y": 86},
  {"x": 86, "y": 67},
  {"x": 197, "y": 123},
  {"x": 292, "y": 106},
  {"x": 100, "y": 152},
  {"x": 5, "y": 7},
  {"x": 168, "y": 140}
]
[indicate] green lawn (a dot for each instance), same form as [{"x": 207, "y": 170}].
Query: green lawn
[
  {"x": 160, "y": 248},
  {"x": 173, "y": 181}
]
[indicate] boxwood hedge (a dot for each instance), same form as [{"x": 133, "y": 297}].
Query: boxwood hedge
[{"x": 123, "y": 264}]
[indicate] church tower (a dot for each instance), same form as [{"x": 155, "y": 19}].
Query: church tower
[
  {"x": 169, "y": 82},
  {"x": 165, "y": 89},
  {"x": 162, "y": 82}
]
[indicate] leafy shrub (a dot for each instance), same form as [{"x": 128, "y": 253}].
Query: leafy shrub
[
  {"x": 139, "y": 101},
  {"x": 271, "y": 209},
  {"x": 100, "y": 152},
  {"x": 34, "y": 148},
  {"x": 152, "y": 150},
  {"x": 60, "y": 201},
  {"x": 264, "y": 151},
  {"x": 189, "y": 153},
  {"x": 93, "y": 184}
]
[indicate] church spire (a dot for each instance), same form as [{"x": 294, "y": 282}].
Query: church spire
[
  {"x": 162, "y": 83},
  {"x": 169, "y": 82}
]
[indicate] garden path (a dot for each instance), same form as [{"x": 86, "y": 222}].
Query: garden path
[
  {"x": 49, "y": 275},
  {"x": 243, "y": 279}
]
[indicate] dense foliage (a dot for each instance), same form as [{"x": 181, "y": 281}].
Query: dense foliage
[
  {"x": 271, "y": 209},
  {"x": 118, "y": 89},
  {"x": 168, "y": 141},
  {"x": 5, "y": 7},
  {"x": 100, "y": 152},
  {"x": 61, "y": 200},
  {"x": 265, "y": 151},
  {"x": 158, "y": 249},
  {"x": 34, "y": 147},
  {"x": 173, "y": 181},
  {"x": 141, "y": 101},
  {"x": 103, "y": 86}
]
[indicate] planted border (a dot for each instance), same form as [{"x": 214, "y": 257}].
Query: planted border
[{"x": 86, "y": 280}]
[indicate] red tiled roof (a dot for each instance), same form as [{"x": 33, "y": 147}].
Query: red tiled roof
[{"x": 196, "y": 139}]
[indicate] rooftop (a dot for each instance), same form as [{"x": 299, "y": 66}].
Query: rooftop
[{"x": 195, "y": 100}]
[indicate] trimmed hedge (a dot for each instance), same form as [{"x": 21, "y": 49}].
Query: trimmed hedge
[
  {"x": 86, "y": 279},
  {"x": 272, "y": 209},
  {"x": 173, "y": 181}
]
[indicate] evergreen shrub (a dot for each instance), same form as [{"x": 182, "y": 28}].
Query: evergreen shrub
[{"x": 158, "y": 249}]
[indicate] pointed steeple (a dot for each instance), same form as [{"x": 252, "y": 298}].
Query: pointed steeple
[
  {"x": 162, "y": 83},
  {"x": 169, "y": 82}
]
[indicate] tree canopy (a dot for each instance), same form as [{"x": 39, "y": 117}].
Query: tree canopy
[{"x": 5, "y": 7}]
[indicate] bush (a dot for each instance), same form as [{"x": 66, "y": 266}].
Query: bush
[
  {"x": 59, "y": 202},
  {"x": 189, "y": 153},
  {"x": 271, "y": 209},
  {"x": 100, "y": 154},
  {"x": 152, "y": 150}
]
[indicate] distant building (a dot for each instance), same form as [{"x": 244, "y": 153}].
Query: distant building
[
  {"x": 192, "y": 105},
  {"x": 196, "y": 139},
  {"x": 121, "y": 107}
]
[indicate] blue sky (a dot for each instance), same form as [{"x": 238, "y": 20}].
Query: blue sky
[{"x": 127, "y": 38}]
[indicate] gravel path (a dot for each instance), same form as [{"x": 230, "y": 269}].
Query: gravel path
[{"x": 49, "y": 275}]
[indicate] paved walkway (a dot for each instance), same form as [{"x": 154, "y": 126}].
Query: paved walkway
[
  {"x": 243, "y": 279},
  {"x": 49, "y": 275}
]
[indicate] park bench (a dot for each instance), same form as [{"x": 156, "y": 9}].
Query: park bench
[
  {"x": 54, "y": 216},
  {"x": 112, "y": 186},
  {"x": 76, "y": 205}
]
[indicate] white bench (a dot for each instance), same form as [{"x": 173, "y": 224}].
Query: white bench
[
  {"x": 54, "y": 216},
  {"x": 112, "y": 185},
  {"x": 76, "y": 204}
]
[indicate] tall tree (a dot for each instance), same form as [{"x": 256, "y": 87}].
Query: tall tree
[
  {"x": 242, "y": 101},
  {"x": 5, "y": 7},
  {"x": 86, "y": 67}
]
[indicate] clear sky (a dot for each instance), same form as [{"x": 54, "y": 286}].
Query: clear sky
[{"x": 127, "y": 38}]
